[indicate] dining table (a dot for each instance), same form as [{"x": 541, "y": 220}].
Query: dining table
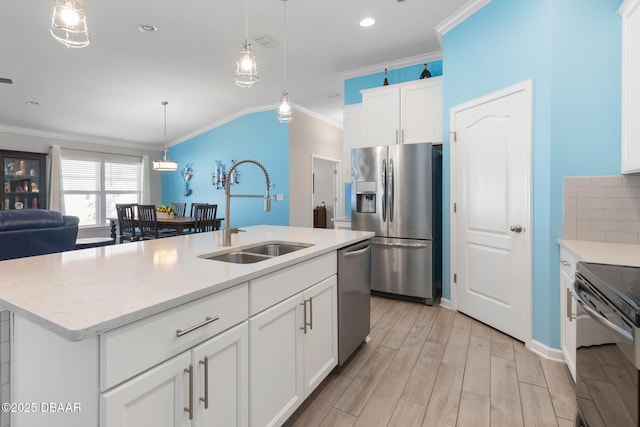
[{"x": 177, "y": 223}]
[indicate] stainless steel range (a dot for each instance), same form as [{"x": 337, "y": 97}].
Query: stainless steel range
[{"x": 608, "y": 352}]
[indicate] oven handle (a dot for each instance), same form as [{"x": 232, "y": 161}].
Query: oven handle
[{"x": 596, "y": 316}]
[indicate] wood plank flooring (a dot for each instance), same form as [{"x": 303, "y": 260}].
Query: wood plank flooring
[{"x": 429, "y": 366}]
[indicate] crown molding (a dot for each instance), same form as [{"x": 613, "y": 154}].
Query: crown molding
[
  {"x": 626, "y": 6},
  {"x": 459, "y": 16},
  {"x": 246, "y": 111},
  {"x": 400, "y": 63},
  {"x": 78, "y": 138}
]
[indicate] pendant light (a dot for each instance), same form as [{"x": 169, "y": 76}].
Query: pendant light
[
  {"x": 165, "y": 165},
  {"x": 246, "y": 68},
  {"x": 69, "y": 23},
  {"x": 284, "y": 110}
]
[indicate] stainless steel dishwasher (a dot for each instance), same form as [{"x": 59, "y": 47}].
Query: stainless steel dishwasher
[{"x": 354, "y": 294}]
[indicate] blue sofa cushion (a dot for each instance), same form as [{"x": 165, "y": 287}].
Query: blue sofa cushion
[{"x": 32, "y": 232}]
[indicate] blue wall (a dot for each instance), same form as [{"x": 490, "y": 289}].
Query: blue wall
[
  {"x": 256, "y": 136},
  {"x": 576, "y": 110},
  {"x": 352, "y": 87}
]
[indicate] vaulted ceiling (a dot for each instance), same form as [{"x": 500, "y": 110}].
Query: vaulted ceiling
[{"x": 111, "y": 90}]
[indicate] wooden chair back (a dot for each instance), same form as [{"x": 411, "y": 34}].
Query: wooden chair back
[
  {"x": 205, "y": 218},
  {"x": 179, "y": 208},
  {"x": 148, "y": 221},
  {"x": 127, "y": 222},
  {"x": 194, "y": 206}
]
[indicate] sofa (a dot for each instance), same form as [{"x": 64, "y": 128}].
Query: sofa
[{"x": 30, "y": 232}]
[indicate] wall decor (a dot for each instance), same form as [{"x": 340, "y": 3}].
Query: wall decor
[
  {"x": 187, "y": 174},
  {"x": 219, "y": 176}
]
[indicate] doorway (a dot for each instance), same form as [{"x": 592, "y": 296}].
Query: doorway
[
  {"x": 491, "y": 230},
  {"x": 326, "y": 188}
]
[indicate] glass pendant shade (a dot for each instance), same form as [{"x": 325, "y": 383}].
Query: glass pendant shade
[
  {"x": 246, "y": 69},
  {"x": 69, "y": 23},
  {"x": 284, "y": 110},
  {"x": 165, "y": 165}
]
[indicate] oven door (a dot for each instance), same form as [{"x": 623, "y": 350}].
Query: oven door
[{"x": 606, "y": 375}]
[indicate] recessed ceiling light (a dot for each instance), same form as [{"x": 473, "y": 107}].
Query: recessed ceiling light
[
  {"x": 147, "y": 28},
  {"x": 32, "y": 103},
  {"x": 367, "y": 22}
]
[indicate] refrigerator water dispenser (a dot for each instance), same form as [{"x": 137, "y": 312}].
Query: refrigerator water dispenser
[{"x": 366, "y": 197}]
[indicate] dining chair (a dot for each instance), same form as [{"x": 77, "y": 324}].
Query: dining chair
[
  {"x": 179, "y": 208},
  {"x": 148, "y": 221},
  {"x": 127, "y": 222},
  {"x": 205, "y": 218},
  {"x": 193, "y": 208}
]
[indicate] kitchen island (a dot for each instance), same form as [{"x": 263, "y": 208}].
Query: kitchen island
[{"x": 153, "y": 333}]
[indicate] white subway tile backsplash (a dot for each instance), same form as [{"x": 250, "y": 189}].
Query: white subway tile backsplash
[
  {"x": 606, "y": 181},
  {"x": 592, "y": 191},
  {"x": 594, "y": 236},
  {"x": 618, "y": 237},
  {"x": 602, "y": 208}
]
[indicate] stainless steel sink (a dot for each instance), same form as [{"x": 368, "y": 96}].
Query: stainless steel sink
[
  {"x": 257, "y": 253},
  {"x": 275, "y": 249},
  {"x": 239, "y": 257}
]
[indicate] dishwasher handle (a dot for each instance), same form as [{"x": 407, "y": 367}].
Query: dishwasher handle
[{"x": 357, "y": 252}]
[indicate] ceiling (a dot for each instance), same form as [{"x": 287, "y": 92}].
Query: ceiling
[{"x": 111, "y": 91}]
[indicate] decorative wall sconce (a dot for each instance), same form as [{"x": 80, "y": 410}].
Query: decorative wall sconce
[
  {"x": 187, "y": 174},
  {"x": 219, "y": 176}
]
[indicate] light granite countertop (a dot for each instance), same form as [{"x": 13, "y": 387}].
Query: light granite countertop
[
  {"x": 79, "y": 294},
  {"x": 603, "y": 253}
]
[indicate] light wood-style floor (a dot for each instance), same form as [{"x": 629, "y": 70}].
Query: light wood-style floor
[{"x": 429, "y": 366}]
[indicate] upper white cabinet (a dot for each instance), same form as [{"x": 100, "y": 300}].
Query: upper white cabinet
[
  {"x": 630, "y": 12},
  {"x": 351, "y": 137},
  {"x": 404, "y": 113}
]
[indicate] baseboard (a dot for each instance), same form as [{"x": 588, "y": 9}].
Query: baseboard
[
  {"x": 445, "y": 303},
  {"x": 546, "y": 351}
]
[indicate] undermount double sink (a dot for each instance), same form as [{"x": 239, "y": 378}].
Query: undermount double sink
[{"x": 257, "y": 253}]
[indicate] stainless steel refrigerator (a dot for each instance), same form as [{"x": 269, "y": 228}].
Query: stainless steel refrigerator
[{"x": 396, "y": 192}]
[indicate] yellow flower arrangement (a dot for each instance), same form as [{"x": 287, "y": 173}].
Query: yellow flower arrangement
[{"x": 166, "y": 209}]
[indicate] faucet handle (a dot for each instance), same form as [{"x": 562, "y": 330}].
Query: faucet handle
[{"x": 236, "y": 230}]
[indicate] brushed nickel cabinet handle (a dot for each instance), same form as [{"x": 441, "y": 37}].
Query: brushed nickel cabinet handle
[
  {"x": 568, "y": 302},
  {"x": 206, "y": 321},
  {"x": 304, "y": 316},
  {"x": 310, "y": 313},
  {"x": 205, "y": 362},
  {"x": 189, "y": 409}
]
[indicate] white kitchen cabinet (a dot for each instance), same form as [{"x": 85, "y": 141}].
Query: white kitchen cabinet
[
  {"x": 351, "y": 137},
  {"x": 156, "y": 398},
  {"x": 403, "y": 113},
  {"x": 568, "y": 310},
  {"x": 290, "y": 353},
  {"x": 203, "y": 387},
  {"x": 630, "y": 12}
]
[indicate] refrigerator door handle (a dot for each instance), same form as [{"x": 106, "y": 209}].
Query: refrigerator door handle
[
  {"x": 384, "y": 190},
  {"x": 391, "y": 190},
  {"x": 402, "y": 245}
]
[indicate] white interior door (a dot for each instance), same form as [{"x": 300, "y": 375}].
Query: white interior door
[{"x": 491, "y": 224}]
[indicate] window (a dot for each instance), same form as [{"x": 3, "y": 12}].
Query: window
[{"x": 93, "y": 183}]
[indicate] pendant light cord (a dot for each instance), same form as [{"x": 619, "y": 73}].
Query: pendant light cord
[
  {"x": 284, "y": 46},
  {"x": 164, "y": 104},
  {"x": 246, "y": 20}
]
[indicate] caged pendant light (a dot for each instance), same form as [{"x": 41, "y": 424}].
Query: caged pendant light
[
  {"x": 246, "y": 67},
  {"x": 284, "y": 110},
  {"x": 69, "y": 23},
  {"x": 165, "y": 165}
]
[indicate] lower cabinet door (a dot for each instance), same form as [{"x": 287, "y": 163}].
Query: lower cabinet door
[
  {"x": 156, "y": 398},
  {"x": 275, "y": 362},
  {"x": 221, "y": 385},
  {"x": 321, "y": 337},
  {"x": 568, "y": 323}
]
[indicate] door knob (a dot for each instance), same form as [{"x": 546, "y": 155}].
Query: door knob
[{"x": 516, "y": 228}]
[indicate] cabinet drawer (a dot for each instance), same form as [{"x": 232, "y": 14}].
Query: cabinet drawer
[
  {"x": 268, "y": 290},
  {"x": 568, "y": 262},
  {"x": 127, "y": 351}
]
